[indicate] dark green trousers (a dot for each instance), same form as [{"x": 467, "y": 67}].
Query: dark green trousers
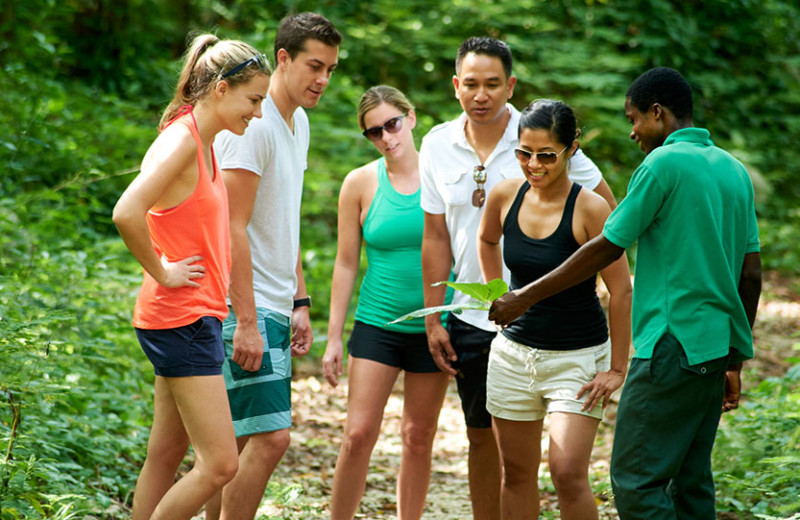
[{"x": 666, "y": 424}]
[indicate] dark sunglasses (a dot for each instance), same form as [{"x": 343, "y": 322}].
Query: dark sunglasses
[
  {"x": 259, "y": 60},
  {"x": 524, "y": 156},
  {"x": 392, "y": 126}
]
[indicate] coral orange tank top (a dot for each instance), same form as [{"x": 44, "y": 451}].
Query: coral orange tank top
[{"x": 197, "y": 226}]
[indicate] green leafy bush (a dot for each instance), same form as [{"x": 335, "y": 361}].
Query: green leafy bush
[{"x": 756, "y": 462}]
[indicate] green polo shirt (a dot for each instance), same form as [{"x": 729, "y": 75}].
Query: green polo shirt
[{"x": 690, "y": 206}]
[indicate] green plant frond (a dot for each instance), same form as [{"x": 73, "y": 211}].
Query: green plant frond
[
  {"x": 454, "y": 308},
  {"x": 483, "y": 292}
]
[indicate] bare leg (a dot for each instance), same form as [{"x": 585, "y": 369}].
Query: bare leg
[
  {"x": 571, "y": 442},
  {"x": 520, "y": 450},
  {"x": 259, "y": 458},
  {"x": 214, "y": 504},
  {"x": 422, "y": 401},
  {"x": 202, "y": 404},
  {"x": 484, "y": 474},
  {"x": 165, "y": 451},
  {"x": 369, "y": 386}
]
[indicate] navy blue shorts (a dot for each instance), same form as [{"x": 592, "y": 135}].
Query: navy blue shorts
[
  {"x": 472, "y": 346},
  {"x": 192, "y": 350},
  {"x": 396, "y": 349}
]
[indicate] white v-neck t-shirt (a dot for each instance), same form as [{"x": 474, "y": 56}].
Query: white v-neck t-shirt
[{"x": 272, "y": 151}]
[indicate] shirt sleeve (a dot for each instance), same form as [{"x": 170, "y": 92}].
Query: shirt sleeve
[
  {"x": 753, "y": 243},
  {"x": 249, "y": 152},
  {"x": 637, "y": 210},
  {"x": 430, "y": 197},
  {"x": 583, "y": 170}
]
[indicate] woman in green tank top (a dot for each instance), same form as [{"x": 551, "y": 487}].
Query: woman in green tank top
[{"x": 379, "y": 206}]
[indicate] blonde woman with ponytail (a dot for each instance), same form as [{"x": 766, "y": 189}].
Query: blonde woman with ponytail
[{"x": 174, "y": 219}]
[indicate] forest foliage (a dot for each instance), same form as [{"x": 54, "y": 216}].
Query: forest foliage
[{"x": 84, "y": 82}]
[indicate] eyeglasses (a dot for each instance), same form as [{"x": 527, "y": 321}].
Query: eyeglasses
[
  {"x": 479, "y": 195},
  {"x": 525, "y": 156},
  {"x": 392, "y": 126},
  {"x": 259, "y": 60}
]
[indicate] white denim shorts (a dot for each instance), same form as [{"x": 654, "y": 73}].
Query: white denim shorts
[{"x": 525, "y": 384}]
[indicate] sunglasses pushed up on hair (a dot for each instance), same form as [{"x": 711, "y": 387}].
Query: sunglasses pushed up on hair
[
  {"x": 259, "y": 60},
  {"x": 392, "y": 126},
  {"x": 525, "y": 156}
]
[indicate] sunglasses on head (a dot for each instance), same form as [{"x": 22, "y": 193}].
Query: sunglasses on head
[
  {"x": 525, "y": 156},
  {"x": 259, "y": 60},
  {"x": 392, "y": 126}
]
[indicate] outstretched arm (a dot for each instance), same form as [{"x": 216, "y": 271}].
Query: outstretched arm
[{"x": 591, "y": 258}]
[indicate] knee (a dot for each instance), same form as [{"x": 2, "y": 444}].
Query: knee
[
  {"x": 418, "y": 438},
  {"x": 219, "y": 471},
  {"x": 359, "y": 440},
  {"x": 569, "y": 479},
  {"x": 517, "y": 473},
  {"x": 272, "y": 444},
  {"x": 168, "y": 453},
  {"x": 481, "y": 438}
]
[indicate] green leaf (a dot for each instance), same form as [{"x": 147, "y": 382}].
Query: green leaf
[
  {"x": 454, "y": 308},
  {"x": 484, "y": 292}
]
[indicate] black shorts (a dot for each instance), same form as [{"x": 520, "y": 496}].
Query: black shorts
[
  {"x": 396, "y": 349},
  {"x": 472, "y": 346},
  {"x": 192, "y": 350}
]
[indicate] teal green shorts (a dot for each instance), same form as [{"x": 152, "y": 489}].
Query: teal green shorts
[{"x": 261, "y": 401}]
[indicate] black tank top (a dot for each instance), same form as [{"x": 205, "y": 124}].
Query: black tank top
[{"x": 569, "y": 320}]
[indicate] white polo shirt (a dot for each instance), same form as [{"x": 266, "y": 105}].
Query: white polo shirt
[{"x": 446, "y": 163}]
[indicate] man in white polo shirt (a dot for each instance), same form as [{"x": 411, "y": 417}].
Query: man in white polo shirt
[{"x": 460, "y": 162}]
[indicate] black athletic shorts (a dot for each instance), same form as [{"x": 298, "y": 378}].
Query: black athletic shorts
[
  {"x": 472, "y": 347},
  {"x": 396, "y": 349}
]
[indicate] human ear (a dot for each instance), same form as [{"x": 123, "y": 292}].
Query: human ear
[
  {"x": 511, "y": 82},
  {"x": 221, "y": 87},
  {"x": 658, "y": 111},
  {"x": 282, "y": 57},
  {"x": 575, "y": 144},
  {"x": 455, "y": 85},
  {"x": 412, "y": 119}
]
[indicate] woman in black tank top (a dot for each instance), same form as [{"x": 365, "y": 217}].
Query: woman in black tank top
[{"x": 538, "y": 364}]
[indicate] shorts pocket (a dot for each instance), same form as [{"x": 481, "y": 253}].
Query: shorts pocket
[{"x": 238, "y": 373}]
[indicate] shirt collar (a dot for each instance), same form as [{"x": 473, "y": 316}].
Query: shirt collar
[
  {"x": 690, "y": 135},
  {"x": 510, "y": 136}
]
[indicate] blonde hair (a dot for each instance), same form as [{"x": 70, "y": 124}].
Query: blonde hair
[
  {"x": 382, "y": 94},
  {"x": 206, "y": 60}
]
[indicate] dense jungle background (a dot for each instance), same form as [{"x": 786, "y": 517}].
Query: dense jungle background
[{"x": 83, "y": 83}]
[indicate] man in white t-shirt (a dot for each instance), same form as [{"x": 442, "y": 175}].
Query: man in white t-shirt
[
  {"x": 269, "y": 322},
  {"x": 460, "y": 162}
]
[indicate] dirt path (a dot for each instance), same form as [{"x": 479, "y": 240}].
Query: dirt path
[{"x": 302, "y": 483}]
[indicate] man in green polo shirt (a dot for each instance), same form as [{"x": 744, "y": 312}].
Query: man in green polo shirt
[{"x": 696, "y": 290}]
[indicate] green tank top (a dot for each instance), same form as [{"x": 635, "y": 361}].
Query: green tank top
[{"x": 392, "y": 232}]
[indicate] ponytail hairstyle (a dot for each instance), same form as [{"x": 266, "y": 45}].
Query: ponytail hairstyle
[
  {"x": 555, "y": 116},
  {"x": 374, "y": 96},
  {"x": 207, "y": 61}
]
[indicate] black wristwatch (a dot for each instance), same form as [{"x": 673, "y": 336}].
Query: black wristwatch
[{"x": 302, "y": 302}]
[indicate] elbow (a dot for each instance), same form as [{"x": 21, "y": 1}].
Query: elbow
[{"x": 120, "y": 216}]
